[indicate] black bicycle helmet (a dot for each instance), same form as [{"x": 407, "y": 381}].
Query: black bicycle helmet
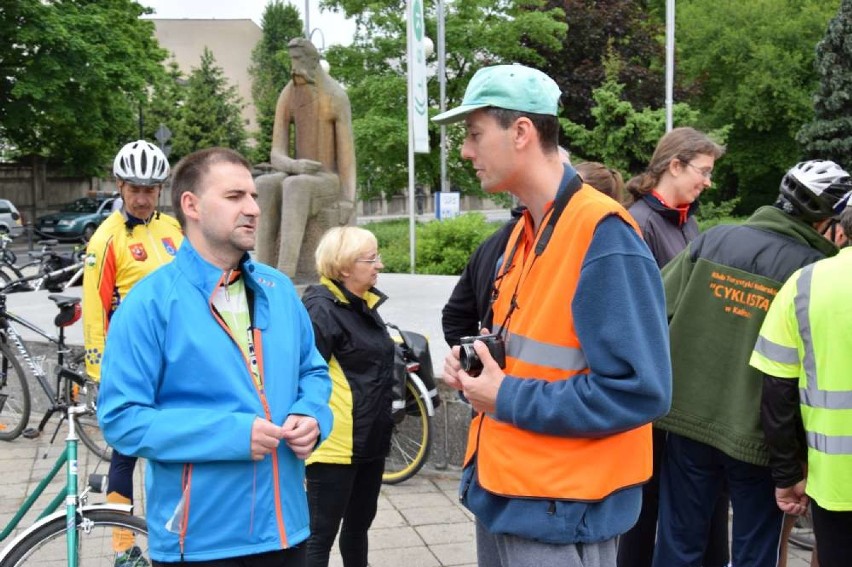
[
  {"x": 811, "y": 189},
  {"x": 141, "y": 163}
]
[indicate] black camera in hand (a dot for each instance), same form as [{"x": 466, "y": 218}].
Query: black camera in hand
[{"x": 470, "y": 361}]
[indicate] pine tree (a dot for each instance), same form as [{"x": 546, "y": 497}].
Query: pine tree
[
  {"x": 165, "y": 103},
  {"x": 211, "y": 114},
  {"x": 829, "y": 135}
]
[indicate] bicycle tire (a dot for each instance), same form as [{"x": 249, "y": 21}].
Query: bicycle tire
[
  {"x": 30, "y": 268},
  {"x": 47, "y": 546},
  {"x": 88, "y": 428},
  {"x": 411, "y": 439},
  {"x": 14, "y": 395}
]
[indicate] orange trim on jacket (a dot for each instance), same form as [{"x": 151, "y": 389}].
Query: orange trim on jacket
[
  {"x": 257, "y": 340},
  {"x": 542, "y": 344}
]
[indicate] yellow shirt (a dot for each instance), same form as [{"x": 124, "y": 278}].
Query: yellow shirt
[{"x": 115, "y": 260}]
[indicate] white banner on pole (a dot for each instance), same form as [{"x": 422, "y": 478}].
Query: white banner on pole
[{"x": 418, "y": 95}]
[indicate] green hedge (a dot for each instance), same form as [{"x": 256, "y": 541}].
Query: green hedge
[{"x": 443, "y": 247}]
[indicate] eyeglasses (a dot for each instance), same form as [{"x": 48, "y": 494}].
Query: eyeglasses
[
  {"x": 376, "y": 260},
  {"x": 705, "y": 173}
]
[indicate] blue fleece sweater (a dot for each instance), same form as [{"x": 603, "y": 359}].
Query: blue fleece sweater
[{"x": 620, "y": 319}]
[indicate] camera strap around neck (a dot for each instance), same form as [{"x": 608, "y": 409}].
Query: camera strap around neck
[{"x": 570, "y": 184}]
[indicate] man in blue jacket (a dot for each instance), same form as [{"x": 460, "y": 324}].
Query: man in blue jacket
[{"x": 211, "y": 374}]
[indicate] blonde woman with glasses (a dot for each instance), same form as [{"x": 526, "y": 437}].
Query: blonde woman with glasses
[{"x": 344, "y": 474}]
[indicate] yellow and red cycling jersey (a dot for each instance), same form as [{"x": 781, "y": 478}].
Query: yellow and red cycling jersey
[{"x": 120, "y": 253}]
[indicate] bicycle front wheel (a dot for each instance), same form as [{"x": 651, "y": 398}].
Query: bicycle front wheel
[
  {"x": 411, "y": 439},
  {"x": 14, "y": 395},
  {"x": 88, "y": 429},
  {"x": 47, "y": 545}
]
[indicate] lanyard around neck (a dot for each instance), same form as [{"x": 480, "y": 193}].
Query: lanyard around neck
[{"x": 570, "y": 184}]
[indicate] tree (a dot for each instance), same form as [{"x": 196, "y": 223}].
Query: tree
[
  {"x": 753, "y": 64},
  {"x": 210, "y": 115},
  {"x": 270, "y": 68},
  {"x": 829, "y": 135},
  {"x": 622, "y": 136},
  {"x": 624, "y": 27},
  {"x": 166, "y": 101},
  {"x": 479, "y": 33},
  {"x": 73, "y": 75}
]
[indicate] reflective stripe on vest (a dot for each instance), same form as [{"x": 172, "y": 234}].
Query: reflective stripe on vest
[
  {"x": 537, "y": 352},
  {"x": 831, "y": 444},
  {"x": 541, "y": 344},
  {"x": 811, "y": 395}
]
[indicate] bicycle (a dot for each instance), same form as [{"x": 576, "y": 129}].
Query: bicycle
[
  {"x": 7, "y": 255},
  {"x": 47, "y": 268},
  {"x": 15, "y": 399},
  {"x": 412, "y": 434},
  {"x": 8, "y": 260},
  {"x": 49, "y": 541}
]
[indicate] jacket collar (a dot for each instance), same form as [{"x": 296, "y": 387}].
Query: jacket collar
[
  {"x": 776, "y": 220},
  {"x": 205, "y": 277},
  {"x": 372, "y": 299},
  {"x": 674, "y": 216}
]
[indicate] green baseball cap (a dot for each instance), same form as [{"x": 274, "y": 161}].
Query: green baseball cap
[{"x": 513, "y": 87}]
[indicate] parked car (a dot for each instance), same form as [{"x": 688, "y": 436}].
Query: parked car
[
  {"x": 77, "y": 220},
  {"x": 11, "y": 222}
]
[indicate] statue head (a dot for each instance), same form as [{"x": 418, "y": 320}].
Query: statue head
[{"x": 304, "y": 59}]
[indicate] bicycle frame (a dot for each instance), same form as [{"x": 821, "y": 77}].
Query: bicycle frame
[
  {"x": 75, "y": 269},
  {"x": 74, "y": 502},
  {"x": 13, "y": 337},
  {"x": 78, "y": 275}
]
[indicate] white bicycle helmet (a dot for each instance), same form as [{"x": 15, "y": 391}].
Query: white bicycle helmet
[
  {"x": 813, "y": 188},
  {"x": 141, "y": 163}
]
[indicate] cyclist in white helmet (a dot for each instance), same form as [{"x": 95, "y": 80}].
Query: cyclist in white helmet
[{"x": 133, "y": 241}]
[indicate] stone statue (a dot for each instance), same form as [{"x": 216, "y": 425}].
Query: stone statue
[{"x": 314, "y": 189}]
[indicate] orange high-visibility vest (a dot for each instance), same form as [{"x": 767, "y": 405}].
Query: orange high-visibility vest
[{"x": 542, "y": 344}]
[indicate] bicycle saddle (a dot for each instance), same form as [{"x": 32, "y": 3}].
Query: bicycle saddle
[{"x": 63, "y": 300}]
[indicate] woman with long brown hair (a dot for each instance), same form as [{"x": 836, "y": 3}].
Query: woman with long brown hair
[
  {"x": 664, "y": 200},
  {"x": 665, "y": 196}
]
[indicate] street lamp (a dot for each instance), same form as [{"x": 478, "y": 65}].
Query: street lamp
[
  {"x": 323, "y": 63},
  {"x": 670, "y": 41}
]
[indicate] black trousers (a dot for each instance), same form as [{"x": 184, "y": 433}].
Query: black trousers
[
  {"x": 293, "y": 557},
  {"x": 121, "y": 474},
  {"x": 636, "y": 547},
  {"x": 833, "y": 533},
  {"x": 347, "y": 494}
]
